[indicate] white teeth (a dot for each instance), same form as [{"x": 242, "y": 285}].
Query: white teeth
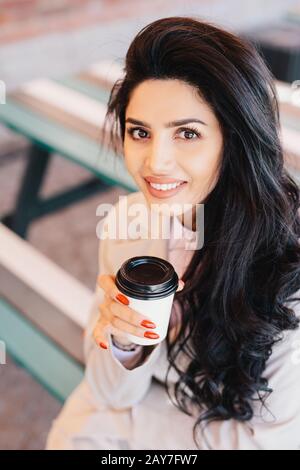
[{"x": 164, "y": 187}]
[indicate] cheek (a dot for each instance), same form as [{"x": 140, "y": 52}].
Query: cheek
[
  {"x": 128, "y": 153},
  {"x": 134, "y": 157},
  {"x": 200, "y": 166},
  {"x": 204, "y": 166}
]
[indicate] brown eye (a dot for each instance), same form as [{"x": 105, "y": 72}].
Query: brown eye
[
  {"x": 139, "y": 130},
  {"x": 138, "y": 133},
  {"x": 191, "y": 132}
]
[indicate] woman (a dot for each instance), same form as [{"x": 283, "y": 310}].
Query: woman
[{"x": 232, "y": 349}]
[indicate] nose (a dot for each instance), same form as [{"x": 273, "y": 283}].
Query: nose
[{"x": 160, "y": 158}]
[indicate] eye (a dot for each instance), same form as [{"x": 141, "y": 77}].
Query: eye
[
  {"x": 131, "y": 131},
  {"x": 188, "y": 130}
]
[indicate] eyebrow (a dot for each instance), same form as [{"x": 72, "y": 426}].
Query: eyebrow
[{"x": 168, "y": 124}]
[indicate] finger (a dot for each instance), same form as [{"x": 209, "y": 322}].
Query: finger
[
  {"x": 100, "y": 333},
  {"x": 133, "y": 330},
  {"x": 107, "y": 283},
  {"x": 130, "y": 315},
  {"x": 103, "y": 309}
]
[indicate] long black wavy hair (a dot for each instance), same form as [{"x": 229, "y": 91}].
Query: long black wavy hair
[{"x": 237, "y": 285}]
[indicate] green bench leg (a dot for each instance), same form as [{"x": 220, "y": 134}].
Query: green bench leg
[
  {"x": 28, "y": 204},
  {"x": 19, "y": 219}
]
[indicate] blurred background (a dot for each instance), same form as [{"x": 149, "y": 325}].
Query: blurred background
[{"x": 58, "y": 60}]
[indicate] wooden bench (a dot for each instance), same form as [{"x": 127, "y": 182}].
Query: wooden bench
[
  {"x": 43, "y": 309},
  {"x": 43, "y": 312}
]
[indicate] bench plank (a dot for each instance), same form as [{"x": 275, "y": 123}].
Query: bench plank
[
  {"x": 48, "y": 364},
  {"x": 59, "y": 139},
  {"x": 95, "y": 92},
  {"x": 45, "y": 293}
]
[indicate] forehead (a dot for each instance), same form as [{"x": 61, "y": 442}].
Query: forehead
[{"x": 162, "y": 100}]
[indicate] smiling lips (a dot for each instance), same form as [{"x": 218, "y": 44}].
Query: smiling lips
[
  {"x": 155, "y": 179},
  {"x": 165, "y": 190}
]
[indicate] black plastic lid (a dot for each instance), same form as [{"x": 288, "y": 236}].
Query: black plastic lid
[{"x": 147, "y": 277}]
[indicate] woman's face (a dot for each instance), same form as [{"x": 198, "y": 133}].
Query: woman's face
[{"x": 189, "y": 152}]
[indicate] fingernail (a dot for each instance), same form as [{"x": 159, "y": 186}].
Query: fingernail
[
  {"x": 151, "y": 335},
  {"x": 148, "y": 324},
  {"x": 122, "y": 299},
  {"x": 103, "y": 345}
]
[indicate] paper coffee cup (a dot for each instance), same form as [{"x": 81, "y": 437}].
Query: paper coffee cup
[{"x": 150, "y": 284}]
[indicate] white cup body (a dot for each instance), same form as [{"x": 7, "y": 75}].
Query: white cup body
[{"x": 158, "y": 311}]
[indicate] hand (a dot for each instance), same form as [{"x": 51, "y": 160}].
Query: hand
[{"x": 116, "y": 315}]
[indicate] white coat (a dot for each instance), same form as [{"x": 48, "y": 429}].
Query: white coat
[{"x": 118, "y": 408}]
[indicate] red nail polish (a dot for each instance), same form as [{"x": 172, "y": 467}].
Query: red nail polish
[
  {"x": 122, "y": 299},
  {"x": 151, "y": 335},
  {"x": 148, "y": 324},
  {"x": 103, "y": 345}
]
